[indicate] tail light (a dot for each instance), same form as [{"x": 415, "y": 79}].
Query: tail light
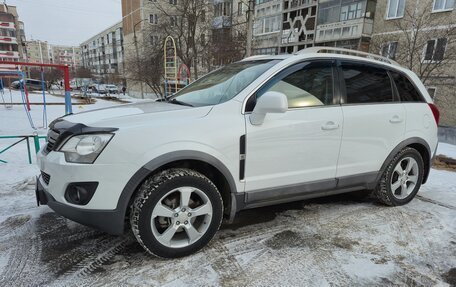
[{"x": 435, "y": 112}]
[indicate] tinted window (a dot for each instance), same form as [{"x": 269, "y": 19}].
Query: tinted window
[
  {"x": 366, "y": 84},
  {"x": 407, "y": 91},
  {"x": 309, "y": 85}
]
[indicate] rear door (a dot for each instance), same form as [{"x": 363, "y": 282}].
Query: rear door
[{"x": 374, "y": 119}]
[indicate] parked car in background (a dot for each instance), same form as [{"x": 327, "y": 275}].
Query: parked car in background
[
  {"x": 262, "y": 131},
  {"x": 30, "y": 84},
  {"x": 112, "y": 89},
  {"x": 99, "y": 89}
]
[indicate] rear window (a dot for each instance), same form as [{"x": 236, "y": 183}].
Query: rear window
[
  {"x": 406, "y": 89},
  {"x": 366, "y": 84}
]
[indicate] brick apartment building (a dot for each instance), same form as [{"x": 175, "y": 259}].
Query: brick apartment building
[{"x": 12, "y": 36}]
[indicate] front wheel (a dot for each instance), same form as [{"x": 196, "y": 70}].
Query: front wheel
[
  {"x": 176, "y": 213},
  {"x": 402, "y": 178}
]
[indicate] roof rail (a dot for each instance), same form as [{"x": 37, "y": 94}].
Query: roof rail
[
  {"x": 254, "y": 57},
  {"x": 342, "y": 51}
]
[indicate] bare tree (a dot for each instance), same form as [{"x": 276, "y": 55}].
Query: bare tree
[
  {"x": 188, "y": 22},
  {"x": 82, "y": 72},
  {"x": 147, "y": 68},
  {"x": 425, "y": 41}
]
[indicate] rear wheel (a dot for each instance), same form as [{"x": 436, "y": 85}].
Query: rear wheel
[
  {"x": 402, "y": 178},
  {"x": 176, "y": 213}
]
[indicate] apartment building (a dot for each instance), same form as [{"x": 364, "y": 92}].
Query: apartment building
[
  {"x": 103, "y": 53},
  {"x": 12, "y": 36},
  {"x": 267, "y": 27},
  {"x": 345, "y": 23},
  {"x": 228, "y": 31},
  {"x": 299, "y": 18},
  {"x": 38, "y": 51},
  {"x": 431, "y": 24},
  {"x": 146, "y": 24},
  {"x": 66, "y": 55}
]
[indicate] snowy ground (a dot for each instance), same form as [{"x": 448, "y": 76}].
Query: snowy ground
[{"x": 339, "y": 240}]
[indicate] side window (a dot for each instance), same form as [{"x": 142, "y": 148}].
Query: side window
[
  {"x": 405, "y": 88},
  {"x": 366, "y": 84},
  {"x": 309, "y": 85}
]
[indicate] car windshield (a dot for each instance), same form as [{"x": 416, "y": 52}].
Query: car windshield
[{"x": 222, "y": 84}]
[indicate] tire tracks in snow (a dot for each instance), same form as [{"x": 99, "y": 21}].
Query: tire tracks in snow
[{"x": 425, "y": 199}]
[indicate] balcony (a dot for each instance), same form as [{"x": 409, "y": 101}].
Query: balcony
[
  {"x": 344, "y": 30},
  {"x": 7, "y": 25},
  {"x": 8, "y": 40},
  {"x": 221, "y": 22},
  {"x": 9, "y": 54}
]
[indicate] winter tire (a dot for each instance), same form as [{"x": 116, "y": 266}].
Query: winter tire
[
  {"x": 402, "y": 178},
  {"x": 176, "y": 213}
]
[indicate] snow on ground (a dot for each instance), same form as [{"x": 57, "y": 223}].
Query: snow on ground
[
  {"x": 338, "y": 240},
  {"x": 441, "y": 183},
  {"x": 13, "y": 120}
]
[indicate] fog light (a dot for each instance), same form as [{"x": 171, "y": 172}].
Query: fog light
[{"x": 80, "y": 193}]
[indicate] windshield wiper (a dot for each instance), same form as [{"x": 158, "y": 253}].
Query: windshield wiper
[{"x": 177, "y": 102}]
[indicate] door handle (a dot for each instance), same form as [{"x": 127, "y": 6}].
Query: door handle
[
  {"x": 330, "y": 126},
  {"x": 396, "y": 119}
]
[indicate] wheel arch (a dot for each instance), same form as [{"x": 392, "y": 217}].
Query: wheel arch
[
  {"x": 417, "y": 143},
  {"x": 201, "y": 162}
]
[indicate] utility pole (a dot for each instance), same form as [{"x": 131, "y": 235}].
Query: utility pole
[
  {"x": 137, "y": 55},
  {"x": 250, "y": 13}
]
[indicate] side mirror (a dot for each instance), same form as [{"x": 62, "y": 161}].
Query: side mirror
[{"x": 270, "y": 102}]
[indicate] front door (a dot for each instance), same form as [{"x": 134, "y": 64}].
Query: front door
[{"x": 300, "y": 146}]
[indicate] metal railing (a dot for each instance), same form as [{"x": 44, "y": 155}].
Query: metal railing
[{"x": 24, "y": 138}]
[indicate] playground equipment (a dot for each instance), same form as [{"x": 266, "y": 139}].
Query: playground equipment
[
  {"x": 173, "y": 76},
  {"x": 6, "y": 104},
  {"x": 170, "y": 65},
  {"x": 183, "y": 74},
  {"x": 26, "y": 103},
  {"x": 24, "y": 93},
  {"x": 66, "y": 76}
]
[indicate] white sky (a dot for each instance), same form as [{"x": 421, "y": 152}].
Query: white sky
[{"x": 66, "y": 22}]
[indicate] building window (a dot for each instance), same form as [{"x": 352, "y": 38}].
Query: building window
[
  {"x": 353, "y": 11},
  {"x": 203, "y": 39},
  {"x": 443, "y": 5},
  {"x": 432, "y": 91},
  {"x": 153, "y": 40},
  {"x": 435, "y": 49},
  {"x": 267, "y": 25},
  {"x": 395, "y": 9},
  {"x": 389, "y": 50},
  {"x": 203, "y": 15},
  {"x": 153, "y": 19},
  {"x": 173, "y": 21},
  {"x": 222, "y": 9},
  {"x": 239, "y": 8}
]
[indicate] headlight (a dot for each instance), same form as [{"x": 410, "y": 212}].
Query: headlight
[{"x": 85, "y": 148}]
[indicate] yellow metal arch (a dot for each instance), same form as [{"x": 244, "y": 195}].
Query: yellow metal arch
[{"x": 170, "y": 63}]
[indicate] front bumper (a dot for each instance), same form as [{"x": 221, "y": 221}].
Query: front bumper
[{"x": 110, "y": 221}]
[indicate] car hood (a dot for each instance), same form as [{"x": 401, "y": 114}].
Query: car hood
[{"x": 123, "y": 115}]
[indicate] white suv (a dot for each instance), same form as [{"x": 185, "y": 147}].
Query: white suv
[{"x": 262, "y": 131}]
